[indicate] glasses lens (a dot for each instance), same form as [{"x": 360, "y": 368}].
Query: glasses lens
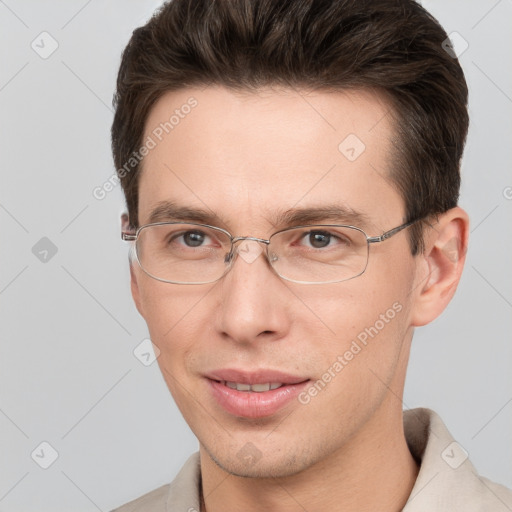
[
  {"x": 319, "y": 254},
  {"x": 183, "y": 253}
]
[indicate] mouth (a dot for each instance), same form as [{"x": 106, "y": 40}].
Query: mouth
[
  {"x": 255, "y": 388},
  {"x": 254, "y": 394}
]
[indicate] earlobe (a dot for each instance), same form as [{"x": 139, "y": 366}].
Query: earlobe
[{"x": 443, "y": 262}]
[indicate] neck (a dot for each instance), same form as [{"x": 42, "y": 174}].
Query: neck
[{"x": 375, "y": 471}]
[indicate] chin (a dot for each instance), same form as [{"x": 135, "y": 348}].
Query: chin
[{"x": 251, "y": 463}]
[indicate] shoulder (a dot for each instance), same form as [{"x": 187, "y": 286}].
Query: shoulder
[
  {"x": 181, "y": 494},
  {"x": 447, "y": 479},
  {"x": 497, "y": 494},
  {"x": 154, "y": 501}
]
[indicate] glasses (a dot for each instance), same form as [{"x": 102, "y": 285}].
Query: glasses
[{"x": 189, "y": 253}]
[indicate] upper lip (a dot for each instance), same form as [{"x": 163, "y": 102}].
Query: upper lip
[{"x": 260, "y": 376}]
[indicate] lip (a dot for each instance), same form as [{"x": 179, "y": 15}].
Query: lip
[{"x": 253, "y": 404}]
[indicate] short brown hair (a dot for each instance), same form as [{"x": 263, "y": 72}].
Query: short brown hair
[{"x": 393, "y": 46}]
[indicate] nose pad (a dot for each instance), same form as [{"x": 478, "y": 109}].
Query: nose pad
[
  {"x": 229, "y": 257},
  {"x": 272, "y": 257}
]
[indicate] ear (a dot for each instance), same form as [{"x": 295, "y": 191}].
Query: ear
[
  {"x": 125, "y": 227},
  {"x": 440, "y": 266}
]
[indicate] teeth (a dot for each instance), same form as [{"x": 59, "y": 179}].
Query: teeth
[
  {"x": 260, "y": 387},
  {"x": 257, "y": 388}
]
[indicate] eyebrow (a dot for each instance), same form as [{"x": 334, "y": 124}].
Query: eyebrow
[
  {"x": 168, "y": 211},
  {"x": 319, "y": 214},
  {"x": 165, "y": 211}
]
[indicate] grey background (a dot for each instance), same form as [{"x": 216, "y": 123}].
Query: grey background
[{"x": 68, "y": 375}]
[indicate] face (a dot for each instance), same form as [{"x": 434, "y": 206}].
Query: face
[{"x": 245, "y": 159}]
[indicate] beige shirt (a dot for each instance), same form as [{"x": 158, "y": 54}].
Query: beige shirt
[{"x": 447, "y": 481}]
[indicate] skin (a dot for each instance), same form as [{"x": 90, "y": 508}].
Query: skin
[{"x": 245, "y": 156}]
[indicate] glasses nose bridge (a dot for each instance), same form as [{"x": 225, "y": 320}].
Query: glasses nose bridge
[
  {"x": 235, "y": 249},
  {"x": 237, "y": 239}
]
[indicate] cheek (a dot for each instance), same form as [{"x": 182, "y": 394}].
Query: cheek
[
  {"x": 363, "y": 324},
  {"x": 361, "y": 355},
  {"x": 176, "y": 321},
  {"x": 175, "y": 315},
  {"x": 344, "y": 310}
]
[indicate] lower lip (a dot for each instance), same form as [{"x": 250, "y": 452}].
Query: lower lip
[{"x": 251, "y": 404}]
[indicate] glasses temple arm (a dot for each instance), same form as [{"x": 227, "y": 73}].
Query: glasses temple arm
[{"x": 391, "y": 232}]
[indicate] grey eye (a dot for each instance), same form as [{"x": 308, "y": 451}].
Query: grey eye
[
  {"x": 193, "y": 238},
  {"x": 319, "y": 239}
]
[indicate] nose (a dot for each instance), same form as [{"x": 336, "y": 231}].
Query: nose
[{"x": 253, "y": 305}]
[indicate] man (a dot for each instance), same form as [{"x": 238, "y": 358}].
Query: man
[{"x": 291, "y": 172}]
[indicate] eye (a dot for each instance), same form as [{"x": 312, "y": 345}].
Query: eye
[
  {"x": 318, "y": 239},
  {"x": 321, "y": 239},
  {"x": 194, "y": 238}
]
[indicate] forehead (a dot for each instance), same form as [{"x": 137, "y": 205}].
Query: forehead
[{"x": 248, "y": 157}]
